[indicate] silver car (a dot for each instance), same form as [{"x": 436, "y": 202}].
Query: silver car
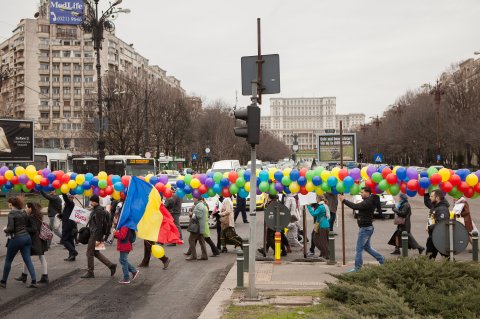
[
  {"x": 187, "y": 206},
  {"x": 387, "y": 202}
]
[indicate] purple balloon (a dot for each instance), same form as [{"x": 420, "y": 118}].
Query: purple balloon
[
  {"x": 279, "y": 187},
  {"x": 378, "y": 190},
  {"x": 202, "y": 178},
  {"x": 370, "y": 170},
  {"x": 196, "y": 193},
  {"x": 209, "y": 182},
  {"x": 412, "y": 173},
  {"x": 163, "y": 179},
  {"x": 476, "y": 173},
  {"x": 259, "y": 192},
  {"x": 3, "y": 169},
  {"x": 45, "y": 172},
  {"x": 96, "y": 190},
  {"x": 355, "y": 173},
  {"x": 23, "y": 179}
]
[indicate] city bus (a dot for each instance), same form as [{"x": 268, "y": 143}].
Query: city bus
[
  {"x": 53, "y": 159},
  {"x": 129, "y": 165},
  {"x": 83, "y": 165}
]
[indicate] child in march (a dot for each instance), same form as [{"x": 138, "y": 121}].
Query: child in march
[
  {"x": 124, "y": 245},
  {"x": 292, "y": 234}
]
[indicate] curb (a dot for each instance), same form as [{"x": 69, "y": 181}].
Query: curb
[
  {"x": 216, "y": 305},
  {"x": 19, "y": 301}
]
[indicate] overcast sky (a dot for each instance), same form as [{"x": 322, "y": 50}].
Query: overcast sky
[{"x": 365, "y": 53}]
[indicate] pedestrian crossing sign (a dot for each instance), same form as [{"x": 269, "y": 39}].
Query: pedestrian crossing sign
[{"x": 378, "y": 158}]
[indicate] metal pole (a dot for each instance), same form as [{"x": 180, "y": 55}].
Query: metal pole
[
  {"x": 98, "y": 37},
  {"x": 252, "y": 292},
  {"x": 404, "y": 244},
  {"x": 475, "y": 245},
  {"x": 304, "y": 214},
  {"x": 331, "y": 248},
  {"x": 240, "y": 261},
  {"x": 246, "y": 247},
  {"x": 146, "y": 130},
  {"x": 450, "y": 237},
  {"x": 259, "y": 63},
  {"x": 343, "y": 207}
]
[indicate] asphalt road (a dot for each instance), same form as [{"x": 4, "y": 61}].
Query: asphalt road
[{"x": 181, "y": 291}]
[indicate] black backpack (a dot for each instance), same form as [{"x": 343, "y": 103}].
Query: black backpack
[
  {"x": 107, "y": 223},
  {"x": 131, "y": 237}
]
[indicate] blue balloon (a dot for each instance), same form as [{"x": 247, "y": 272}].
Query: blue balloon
[
  {"x": 88, "y": 177},
  {"x": 49, "y": 188},
  {"x": 348, "y": 182},
  {"x": 242, "y": 193},
  {"x": 86, "y": 185},
  {"x": 334, "y": 191},
  {"x": 247, "y": 175},
  {"x": 38, "y": 187},
  {"x": 286, "y": 190},
  {"x": 79, "y": 190},
  {"x": 8, "y": 185},
  {"x": 180, "y": 193},
  {"x": 73, "y": 176},
  {"x": 153, "y": 180},
  {"x": 187, "y": 189},
  {"x": 424, "y": 182},
  {"x": 380, "y": 169},
  {"x": 205, "y": 195},
  {"x": 294, "y": 175},
  {"x": 94, "y": 181},
  {"x": 401, "y": 173},
  {"x": 423, "y": 174},
  {"x": 332, "y": 181},
  {"x": 463, "y": 174},
  {"x": 210, "y": 174},
  {"x": 72, "y": 192},
  {"x": 224, "y": 182},
  {"x": 316, "y": 180},
  {"x": 263, "y": 176},
  {"x": 302, "y": 181},
  {"x": 411, "y": 193},
  {"x": 180, "y": 184},
  {"x": 118, "y": 186},
  {"x": 258, "y": 182},
  {"x": 51, "y": 177},
  {"x": 278, "y": 175},
  {"x": 217, "y": 188},
  {"x": 118, "y": 179}
]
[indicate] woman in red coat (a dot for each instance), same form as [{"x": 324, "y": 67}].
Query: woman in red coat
[{"x": 124, "y": 245}]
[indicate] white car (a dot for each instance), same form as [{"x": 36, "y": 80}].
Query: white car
[
  {"x": 387, "y": 201},
  {"x": 187, "y": 205}
]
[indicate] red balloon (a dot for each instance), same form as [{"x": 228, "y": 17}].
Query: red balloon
[
  {"x": 44, "y": 182},
  {"x": 3, "y": 180},
  {"x": 386, "y": 171},
  {"x": 30, "y": 184},
  {"x": 455, "y": 180},
  {"x": 421, "y": 191},
  {"x": 125, "y": 180},
  {"x": 40, "y": 172},
  {"x": 122, "y": 195},
  {"x": 370, "y": 183},
  {"x": 109, "y": 190},
  {"x": 412, "y": 185},
  {"x": 391, "y": 178},
  {"x": 463, "y": 187},
  {"x": 160, "y": 187},
  {"x": 167, "y": 193},
  {"x": 476, "y": 188},
  {"x": 403, "y": 187},
  {"x": 14, "y": 180},
  {"x": 197, "y": 176},
  {"x": 56, "y": 184},
  {"x": 469, "y": 192},
  {"x": 59, "y": 175},
  {"x": 436, "y": 179},
  {"x": 342, "y": 173},
  {"x": 65, "y": 179},
  {"x": 102, "y": 193},
  {"x": 109, "y": 179},
  {"x": 303, "y": 191},
  {"x": 203, "y": 189},
  {"x": 226, "y": 192},
  {"x": 303, "y": 171},
  {"x": 446, "y": 187},
  {"x": 232, "y": 177}
]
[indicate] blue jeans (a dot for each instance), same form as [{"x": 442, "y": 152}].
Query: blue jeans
[
  {"x": 126, "y": 266},
  {"x": 24, "y": 245},
  {"x": 363, "y": 243}
]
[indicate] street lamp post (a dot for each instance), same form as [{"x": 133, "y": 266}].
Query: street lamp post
[
  {"x": 295, "y": 147},
  {"x": 95, "y": 23},
  {"x": 437, "y": 93},
  {"x": 377, "y": 123}
]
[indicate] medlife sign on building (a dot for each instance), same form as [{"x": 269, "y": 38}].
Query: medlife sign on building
[
  {"x": 329, "y": 147},
  {"x": 61, "y": 12}
]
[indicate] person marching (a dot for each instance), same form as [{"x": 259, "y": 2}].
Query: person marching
[
  {"x": 197, "y": 216},
  {"x": 54, "y": 209},
  {"x": 321, "y": 216},
  {"x": 439, "y": 211},
  {"x": 227, "y": 220},
  {"x": 124, "y": 238},
  {"x": 68, "y": 227}
]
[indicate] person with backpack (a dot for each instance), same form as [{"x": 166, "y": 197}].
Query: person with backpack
[
  {"x": 98, "y": 226},
  {"x": 68, "y": 227},
  {"x": 125, "y": 237},
  {"x": 54, "y": 209}
]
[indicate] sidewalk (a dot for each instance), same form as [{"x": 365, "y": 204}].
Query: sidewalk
[{"x": 269, "y": 277}]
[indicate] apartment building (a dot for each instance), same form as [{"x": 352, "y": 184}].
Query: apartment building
[
  {"x": 306, "y": 118},
  {"x": 51, "y": 78}
]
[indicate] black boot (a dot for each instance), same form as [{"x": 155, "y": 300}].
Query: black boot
[
  {"x": 396, "y": 251},
  {"x": 22, "y": 278},
  {"x": 44, "y": 279}
]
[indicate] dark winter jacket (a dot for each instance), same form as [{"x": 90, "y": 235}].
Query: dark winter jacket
[
  {"x": 404, "y": 211},
  {"x": 17, "y": 223},
  {"x": 39, "y": 246},
  {"x": 366, "y": 208},
  {"x": 67, "y": 223},
  {"x": 54, "y": 204},
  {"x": 174, "y": 205},
  {"x": 97, "y": 219},
  {"x": 123, "y": 239},
  {"x": 440, "y": 210}
]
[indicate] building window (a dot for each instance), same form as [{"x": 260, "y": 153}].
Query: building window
[
  {"x": 66, "y": 53},
  {"x": 44, "y": 28},
  {"x": 56, "y": 115},
  {"x": 44, "y": 66},
  {"x": 68, "y": 33},
  {"x": 55, "y": 78},
  {"x": 77, "y": 79},
  {"x": 66, "y": 43},
  {"x": 67, "y": 79},
  {"x": 66, "y": 114},
  {"x": 66, "y": 91},
  {"x": 88, "y": 54},
  {"x": 89, "y": 79},
  {"x": 44, "y": 115},
  {"x": 88, "y": 67},
  {"x": 66, "y": 67},
  {"x": 77, "y": 67},
  {"x": 44, "y": 128},
  {"x": 77, "y": 42},
  {"x": 88, "y": 43},
  {"x": 44, "y": 53},
  {"x": 77, "y": 114},
  {"x": 43, "y": 103},
  {"x": 56, "y": 66},
  {"x": 56, "y": 54},
  {"x": 44, "y": 78},
  {"x": 66, "y": 143},
  {"x": 56, "y": 90},
  {"x": 44, "y": 90},
  {"x": 77, "y": 54},
  {"x": 77, "y": 91},
  {"x": 66, "y": 102}
]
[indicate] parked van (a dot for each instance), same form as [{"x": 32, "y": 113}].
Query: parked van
[{"x": 225, "y": 166}]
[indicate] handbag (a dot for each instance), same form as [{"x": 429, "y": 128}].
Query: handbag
[
  {"x": 193, "y": 226},
  {"x": 45, "y": 233},
  {"x": 399, "y": 220},
  {"x": 84, "y": 235}
]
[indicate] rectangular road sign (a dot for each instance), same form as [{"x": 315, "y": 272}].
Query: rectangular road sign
[
  {"x": 270, "y": 73},
  {"x": 16, "y": 141},
  {"x": 329, "y": 147}
]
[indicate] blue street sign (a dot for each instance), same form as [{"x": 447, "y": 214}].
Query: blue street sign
[
  {"x": 61, "y": 12},
  {"x": 378, "y": 158},
  {"x": 194, "y": 156},
  {"x": 439, "y": 157}
]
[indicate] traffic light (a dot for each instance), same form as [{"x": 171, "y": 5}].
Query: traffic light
[{"x": 250, "y": 114}]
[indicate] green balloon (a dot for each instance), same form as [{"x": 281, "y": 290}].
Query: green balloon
[
  {"x": 188, "y": 178},
  {"x": 394, "y": 189},
  {"x": 431, "y": 170},
  {"x": 326, "y": 188},
  {"x": 217, "y": 177},
  {"x": 25, "y": 189},
  {"x": 340, "y": 187},
  {"x": 272, "y": 190},
  {"x": 102, "y": 183},
  {"x": 318, "y": 171},
  {"x": 286, "y": 181},
  {"x": 233, "y": 189},
  {"x": 58, "y": 191},
  {"x": 310, "y": 175},
  {"x": 432, "y": 188},
  {"x": 211, "y": 193},
  {"x": 264, "y": 187},
  {"x": 240, "y": 182},
  {"x": 362, "y": 184},
  {"x": 189, "y": 196},
  {"x": 241, "y": 173},
  {"x": 17, "y": 188},
  {"x": 453, "y": 191},
  {"x": 383, "y": 185},
  {"x": 355, "y": 189},
  {"x": 377, "y": 177}
]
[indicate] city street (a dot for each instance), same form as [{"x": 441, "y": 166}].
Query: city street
[{"x": 181, "y": 291}]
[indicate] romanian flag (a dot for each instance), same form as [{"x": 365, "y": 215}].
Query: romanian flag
[{"x": 141, "y": 211}]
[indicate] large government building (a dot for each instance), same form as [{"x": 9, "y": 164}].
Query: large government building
[
  {"x": 49, "y": 75},
  {"x": 307, "y": 118}
]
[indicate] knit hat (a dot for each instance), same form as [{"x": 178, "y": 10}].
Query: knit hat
[
  {"x": 95, "y": 198},
  {"x": 403, "y": 197}
]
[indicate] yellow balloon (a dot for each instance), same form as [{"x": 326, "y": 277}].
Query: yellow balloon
[
  {"x": 168, "y": 185},
  {"x": 294, "y": 187},
  {"x": 64, "y": 188},
  {"x": 102, "y": 175},
  {"x": 147, "y": 178},
  {"x": 363, "y": 172},
  {"x": 31, "y": 171},
  {"x": 80, "y": 179},
  {"x": 158, "y": 251},
  {"x": 116, "y": 195},
  {"x": 181, "y": 177},
  {"x": 472, "y": 179},
  {"x": 319, "y": 191},
  {"x": 394, "y": 171},
  {"x": 335, "y": 171},
  {"x": 309, "y": 186},
  {"x": 225, "y": 175},
  {"x": 247, "y": 186},
  {"x": 325, "y": 175},
  {"x": 88, "y": 192},
  {"x": 286, "y": 171},
  {"x": 195, "y": 183},
  {"x": 19, "y": 170},
  {"x": 37, "y": 179},
  {"x": 8, "y": 175},
  {"x": 445, "y": 173},
  {"x": 271, "y": 172},
  {"x": 71, "y": 184}
]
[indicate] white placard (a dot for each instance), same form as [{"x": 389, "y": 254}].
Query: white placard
[
  {"x": 80, "y": 215},
  {"x": 457, "y": 209},
  {"x": 310, "y": 198}
]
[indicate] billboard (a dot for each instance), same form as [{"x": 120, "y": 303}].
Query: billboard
[
  {"x": 61, "y": 12},
  {"x": 16, "y": 141},
  {"x": 329, "y": 147}
]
